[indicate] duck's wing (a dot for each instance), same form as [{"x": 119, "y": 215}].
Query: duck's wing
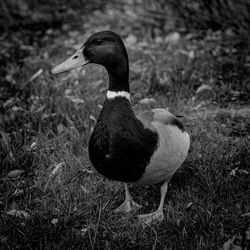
[
  {"x": 160, "y": 115},
  {"x": 173, "y": 145}
]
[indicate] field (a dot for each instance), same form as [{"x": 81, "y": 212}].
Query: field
[{"x": 50, "y": 195}]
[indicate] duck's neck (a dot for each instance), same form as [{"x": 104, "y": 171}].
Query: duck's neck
[
  {"x": 118, "y": 85},
  {"x": 119, "y": 76}
]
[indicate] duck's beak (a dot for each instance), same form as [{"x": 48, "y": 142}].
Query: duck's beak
[{"x": 73, "y": 62}]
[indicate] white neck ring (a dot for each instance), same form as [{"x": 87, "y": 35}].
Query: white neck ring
[{"x": 113, "y": 94}]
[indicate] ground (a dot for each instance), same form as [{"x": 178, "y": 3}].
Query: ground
[{"x": 51, "y": 197}]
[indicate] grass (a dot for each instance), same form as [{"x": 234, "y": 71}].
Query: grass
[{"x": 45, "y": 126}]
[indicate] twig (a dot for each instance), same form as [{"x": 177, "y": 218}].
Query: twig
[{"x": 33, "y": 77}]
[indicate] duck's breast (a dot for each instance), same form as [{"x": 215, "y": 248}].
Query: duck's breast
[{"x": 120, "y": 147}]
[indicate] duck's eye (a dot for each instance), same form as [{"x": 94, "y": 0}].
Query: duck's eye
[{"x": 98, "y": 41}]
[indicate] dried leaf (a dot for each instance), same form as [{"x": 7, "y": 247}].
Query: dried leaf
[
  {"x": 3, "y": 239},
  {"x": 75, "y": 100},
  {"x": 191, "y": 55},
  {"x": 70, "y": 124},
  {"x": 246, "y": 214},
  {"x": 147, "y": 101},
  {"x": 202, "y": 88},
  {"x": 11, "y": 156},
  {"x": 242, "y": 171},
  {"x": 45, "y": 116},
  {"x": 57, "y": 169},
  {"x": 172, "y": 38},
  {"x": 91, "y": 117},
  {"x": 237, "y": 170},
  {"x": 97, "y": 83},
  {"x": 227, "y": 245},
  {"x": 200, "y": 105},
  {"x": 84, "y": 231},
  {"x": 55, "y": 174},
  {"x": 33, "y": 145},
  {"x": 18, "y": 192},
  {"x": 18, "y": 213},
  {"x": 54, "y": 221},
  {"x": 9, "y": 102},
  {"x": 189, "y": 204},
  {"x": 130, "y": 40},
  {"x": 41, "y": 108},
  {"x": 68, "y": 92},
  {"x": 16, "y": 109},
  {"x": 15, "y": 173},
  {"x": 91, "y": 130},
  {"x": 84, "y": 190},
  {"x": 233, "y": 171},
  {"x": 5, "y": 139},
  {"x": 10, "y": 79},
  {"x": 60, "y": 128},
  {"x": 158, "y": 39}
]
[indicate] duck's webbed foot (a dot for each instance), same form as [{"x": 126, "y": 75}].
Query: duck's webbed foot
[
  {"x": 158, "y": 215},
  {"x": 128, "y": 205},
  {"x": 150, "y": 218}
]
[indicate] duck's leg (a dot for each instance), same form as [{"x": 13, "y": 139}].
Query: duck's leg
[
  {"x": 128, "y": 205},
  {"x": 158, "y": 215}
]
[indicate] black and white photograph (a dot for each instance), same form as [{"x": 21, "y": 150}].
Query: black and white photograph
[{"x": 125, "y": 125}]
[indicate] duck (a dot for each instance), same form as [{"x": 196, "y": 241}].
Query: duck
[{"x": 139, "y": 149}]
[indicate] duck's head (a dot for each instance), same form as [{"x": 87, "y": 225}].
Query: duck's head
[{"x": 107, "y": 49}]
